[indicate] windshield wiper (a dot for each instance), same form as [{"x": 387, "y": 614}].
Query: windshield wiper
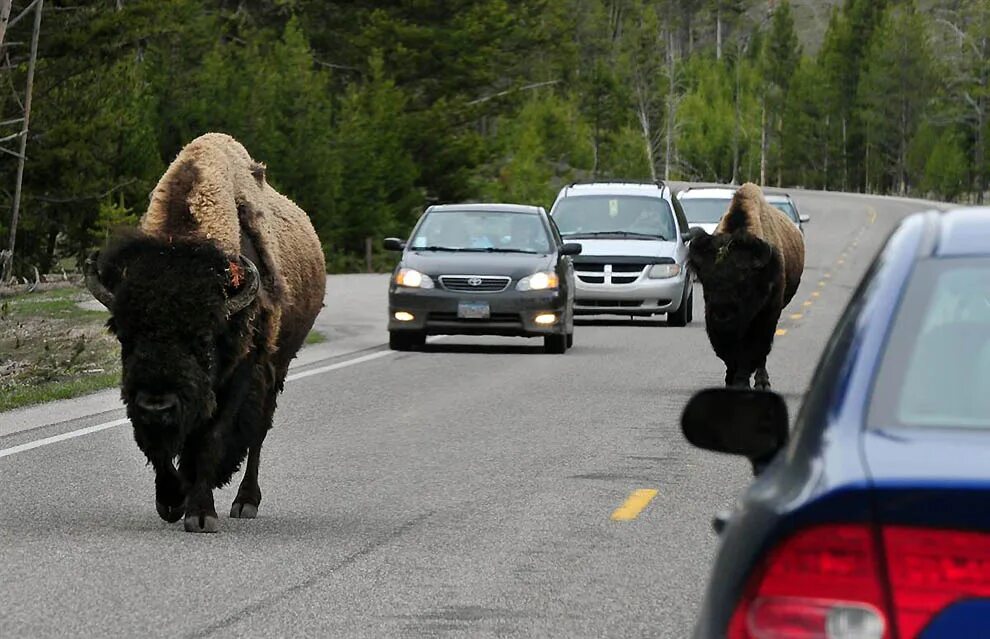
[
  {"x": 439, "y": 248},
  {"x": 496, "y": 249},
  {"x": 629, "y": 234}
]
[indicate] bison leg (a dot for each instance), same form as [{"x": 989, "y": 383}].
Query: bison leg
[
  {"x": 198, "y": 470},
  {"x": 169, "y": 496},
  {"x": 248, "y": 498}
]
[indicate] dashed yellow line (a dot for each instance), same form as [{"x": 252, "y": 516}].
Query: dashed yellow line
[
  {"x": 827, "y": 276},
  {"x": 808, "y": 303},
  {"x": 637, "y": 501},
  {"x": 781, "y": 332},
  {"x": 821, "y": 283},
  {"x": 815, "y": 293},
  {"x": 840, "y": 261},
  {"x": 796, "y": 316}
]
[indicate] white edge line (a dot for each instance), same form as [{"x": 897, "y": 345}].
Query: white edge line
[
  {"x": 61, "y": 438},
  {"x": 54, "y": 439}
]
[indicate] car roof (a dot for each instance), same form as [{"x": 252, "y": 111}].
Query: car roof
[
  {"x": 647, "y": 189},
  {"x": 495, "y": 207},
  {"x": 716, "y": 193},
  {"x": 963, "y": 232}
]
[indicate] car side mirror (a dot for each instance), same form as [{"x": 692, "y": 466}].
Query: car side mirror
[
  {"x": 393, "y": 244},
  {"x": 804, "y": 218},
  {"x": 737, "y": 421},
  {"x": 692, "y": 233},
  {"x": 571, "y": 248}
]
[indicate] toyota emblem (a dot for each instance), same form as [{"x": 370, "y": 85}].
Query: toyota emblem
[{"x": 474, "y": 281}]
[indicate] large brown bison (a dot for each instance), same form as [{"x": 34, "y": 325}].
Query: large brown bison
[
  {"x": 749, "y": 270},
  {"x": 210, "y": 297}
]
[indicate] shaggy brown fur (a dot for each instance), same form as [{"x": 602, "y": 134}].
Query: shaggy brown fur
[
  {"x": 749, "y": 269},
  {"x": 750, "y": 213},
  {"x": 213, "y": 190}
]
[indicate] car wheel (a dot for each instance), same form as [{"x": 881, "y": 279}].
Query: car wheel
[
  {"x": 682, "y": 316},
  {"x": 555, "y": 344},
  {"x": 405, "y": 340},
  {"x": 570, "y": 340},
  {"x": 690, "y": 305}
]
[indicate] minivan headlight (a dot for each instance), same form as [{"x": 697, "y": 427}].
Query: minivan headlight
[
  {"x": 411, "y": 278},
  {"x": 664, "y": 271},
  {"x": 538, "y": 281}
]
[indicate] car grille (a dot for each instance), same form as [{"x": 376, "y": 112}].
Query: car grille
[
  {"x": 475, "y": 283},
  {"x": 624, "y": 280},
  {"x": 610, "y": 303},
  {"x": 495, "y": 317},
  {"x": 592, "y": 279}
]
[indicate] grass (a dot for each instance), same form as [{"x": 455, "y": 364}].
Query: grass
[
  {"x": 315, "y": 337},
  {"x": 50, "y": 348}
]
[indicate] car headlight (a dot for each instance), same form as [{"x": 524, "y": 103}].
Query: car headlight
[
  {"x": 664, "y": 271},
  {"x": 411, "y": 278},
  {"x": 538, "y": 281}
]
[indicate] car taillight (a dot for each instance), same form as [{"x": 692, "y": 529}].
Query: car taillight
[
  {"x": 931, "y": 569},
  {"x": 821, "y": 583}
]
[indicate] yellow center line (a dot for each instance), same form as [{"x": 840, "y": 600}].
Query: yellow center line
[
  {"x": 634, "y": 505},
  {"x": 827, "y": 276},
  {"x": 808, "y": 303},
  {"x": 821, "y": 283},
  {"x": 796, "y": 316},
  {"x": 815, "y": 293},
  {"x": 840, "y": 262},
  {"x": 781, "y": 332}
]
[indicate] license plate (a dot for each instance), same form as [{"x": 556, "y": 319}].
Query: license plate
[{"x": 473, "y": 310}]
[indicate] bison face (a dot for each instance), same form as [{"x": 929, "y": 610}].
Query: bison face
[
  {"x": 739, "y": 274},
  {"x": 172, "y": 308}
]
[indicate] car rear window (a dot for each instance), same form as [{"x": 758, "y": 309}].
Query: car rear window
[
  {"x": 936, "y": 366},
  {"x": 704, "y": 210},
  {"x": 604, "y": 214},
  {"x": 786, "y": 208}
]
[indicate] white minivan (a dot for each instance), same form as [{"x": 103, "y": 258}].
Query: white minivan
[{"x": 633, "y": 259}]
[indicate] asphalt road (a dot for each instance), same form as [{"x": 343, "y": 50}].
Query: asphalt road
[{"x": 465, "y": 491}]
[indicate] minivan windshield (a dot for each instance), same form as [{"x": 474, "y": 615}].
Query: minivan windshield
[
  {"x": 482, "y": 231},
  {"x": 622, "y": 216},
  {"x": 704, "y": 210},
  {"x": 936, "y": 367}
]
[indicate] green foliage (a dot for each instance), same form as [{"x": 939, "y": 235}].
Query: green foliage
[{"x": 365, "y": 112}]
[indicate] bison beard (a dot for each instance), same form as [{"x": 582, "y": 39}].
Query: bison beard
[{"x": 198, "y": 383}]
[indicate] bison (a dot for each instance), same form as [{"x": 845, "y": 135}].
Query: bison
[
  {"x": 210, "y": 298},
  {"x": 749, "y": 270}
]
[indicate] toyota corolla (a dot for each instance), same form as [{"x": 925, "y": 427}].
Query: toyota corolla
[{"x": 483, "y": 269}]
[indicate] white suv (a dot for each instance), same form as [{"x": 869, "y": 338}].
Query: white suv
[
  {"x": 705, "y": 206},
  {"x": 633, "y": 259}
]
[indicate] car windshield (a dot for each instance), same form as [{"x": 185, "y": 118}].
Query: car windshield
[
  {"x": 623, "y": 216},
  {"x": 786, "y": 207},
  {"x": 494, "y": 231},
  {"x": 936, "y": 369},
  {"x": 704, "y": 210}
]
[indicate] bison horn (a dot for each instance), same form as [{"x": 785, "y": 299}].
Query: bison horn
[
  {"x": 94, "y": 284},
  {"x": 248, "y": 290}
]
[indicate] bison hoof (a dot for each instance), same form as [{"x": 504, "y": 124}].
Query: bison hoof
[
  {"x": 241, "y": 510},
  {"x": 202, "y": 523},
  {"x": 171, "y": 514}
]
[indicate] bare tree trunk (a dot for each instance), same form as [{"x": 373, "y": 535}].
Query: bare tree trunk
[
  {"x": 737, "y": 127},
  {"x": 763, "y": 142},
  {"x": 845, "y": 157},
  {"x": 825, "y": 154},
  {"x": 718, "y": 33},
  {"x": 4, "y": 18},
  {"x": 780, "y": 151},
  {"x": 5, "y": 271},
  {"x": 644, "y": 123},
  {"x": 671, "y": 105}
]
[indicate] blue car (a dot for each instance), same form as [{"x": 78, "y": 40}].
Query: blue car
[{"x": 871, "y": 518}]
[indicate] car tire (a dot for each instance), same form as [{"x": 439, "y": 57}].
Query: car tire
[
  {"x": 555, "y": 344},
  {"x": 683, "y": 315},
  {"x": 405, "y": 340},
  {"x": 570, "y": 340}
]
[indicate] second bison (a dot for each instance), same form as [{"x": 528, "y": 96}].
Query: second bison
[{"x": 749, "y": 269}]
